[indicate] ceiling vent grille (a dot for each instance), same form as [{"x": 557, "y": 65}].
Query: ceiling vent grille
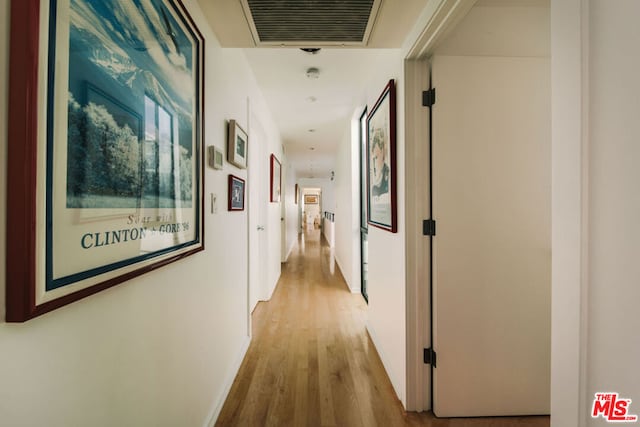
[{"x": 311, "y": 22}]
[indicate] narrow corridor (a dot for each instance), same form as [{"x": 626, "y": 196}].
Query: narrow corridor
[{"x": 312, "y": 363}]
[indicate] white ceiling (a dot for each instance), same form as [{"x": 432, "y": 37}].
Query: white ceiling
[
  {"x": 492, "y": 27},
  {"x": 319, "y": 125},
  {"x": 344, "y": 71}
]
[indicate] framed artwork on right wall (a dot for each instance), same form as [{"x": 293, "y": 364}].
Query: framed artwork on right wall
[{"x": 381, "y": 161}]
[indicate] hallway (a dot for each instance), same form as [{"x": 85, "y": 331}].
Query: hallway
[{"x": 312, "y": 363}]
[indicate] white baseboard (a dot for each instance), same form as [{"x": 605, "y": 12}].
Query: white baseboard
[
  {"x": 385, "y": 363},
  {"x": 293, "y": 244},
  {"x": 353, "y": 288},
  {"x": 213, "y": 417}
]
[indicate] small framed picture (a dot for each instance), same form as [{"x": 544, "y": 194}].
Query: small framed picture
[
  {"x": 215, "y": 157},
  {"x": 236, "y": 193},
  {"x": 237, "y": 145},
  {"x": 311, "y": 199},
  {"x": 275, "y": 179}
]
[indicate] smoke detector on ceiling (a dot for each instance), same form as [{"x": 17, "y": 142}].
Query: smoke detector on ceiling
[{"x": 313, "y": 73}]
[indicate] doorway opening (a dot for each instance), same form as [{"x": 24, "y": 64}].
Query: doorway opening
[{"x": 311, "y": 208}]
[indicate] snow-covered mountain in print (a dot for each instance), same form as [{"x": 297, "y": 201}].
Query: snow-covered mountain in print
[
  {"x": 140, "y": 45},
  {"x": 131, "y": 120}
]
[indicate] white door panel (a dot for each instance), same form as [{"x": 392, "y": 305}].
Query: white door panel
[{"x": 492, "y": 256}]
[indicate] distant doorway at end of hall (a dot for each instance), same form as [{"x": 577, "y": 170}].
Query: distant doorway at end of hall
[{"x": 311, "y": 208}]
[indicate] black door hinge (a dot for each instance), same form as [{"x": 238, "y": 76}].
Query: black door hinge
[
  {"x": 429, "y": 97},
  {"x": 430, "y": 357},
  {"x": 429, "y": 227}
]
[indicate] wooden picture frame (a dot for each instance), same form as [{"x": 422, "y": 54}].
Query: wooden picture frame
[
  {"x": 311, "y": 199},
  {"x": 236, "y": 193},
  {"x": 102, "y": 167},
  {"x": 297, "y": 194},
  {"x": 381, "y": 161},
  {"x": 237, "y": 145},
  {"x": 275, "y": 179}
]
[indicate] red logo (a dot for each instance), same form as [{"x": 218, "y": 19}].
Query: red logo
[{"x": 612, "y": 408}]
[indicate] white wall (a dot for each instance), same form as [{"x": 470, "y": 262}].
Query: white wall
[
  {"x": 386, "y": 276},
  {"x": 386, "y": 285},
  {"x": 290, "y": 206},
  {"x": 613, "y": 348},
  {"x": 347, "y": 219},
  {"x": 158, "y": 350},
  {"x": 596, "y": 206}
]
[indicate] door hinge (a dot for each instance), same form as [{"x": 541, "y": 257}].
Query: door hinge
[
  {"x": 430, "y": 357},
  {"x": 429, "y": 227},
  {"x": 429, "y": 97}
]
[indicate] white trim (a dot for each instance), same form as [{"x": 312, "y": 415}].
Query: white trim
[
  {"x": 215, "y": 413},
  {"x": 293, "y": 244},
  {"x": 569, "y": 124},
  {"x": 437, "y": 19},
  {"x": 385, "y": 361},
  {"x": 339, "y": 264},
  {"x": 417, "y": 249}
]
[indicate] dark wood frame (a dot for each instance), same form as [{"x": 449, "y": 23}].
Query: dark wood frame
[
  {"x": 22, "y": 255},
  {"x": 389, "y": 93},
  {"x": 297, "y": 192},
  {"x": 275, "y": 198},
  {"x": 230, "y": 188}
]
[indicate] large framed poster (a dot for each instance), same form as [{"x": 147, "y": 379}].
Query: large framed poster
[
  {"x": 105, "y": 146},
  {"x": 381, "y": 161}
]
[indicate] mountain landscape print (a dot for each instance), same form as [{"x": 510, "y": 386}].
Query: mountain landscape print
[{"x": 133, "y": 92}]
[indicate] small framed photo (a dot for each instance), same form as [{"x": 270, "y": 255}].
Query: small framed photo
[
  {"x": 216, "y": 157},
  {"x": 237, "y": 145},
  {"x": 311, "y": 199},
  {"x": 275, "y": 179},
  {"x": 236, "y": 193}
]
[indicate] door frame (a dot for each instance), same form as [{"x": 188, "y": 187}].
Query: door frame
[
  {"x": 438, "y": 21},
  {"x": 364, "y": 229}
]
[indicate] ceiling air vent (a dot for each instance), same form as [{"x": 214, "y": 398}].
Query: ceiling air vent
[{"x": 311, "y": 22}]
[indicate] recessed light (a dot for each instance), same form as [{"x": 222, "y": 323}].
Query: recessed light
[
  {"x": 313, "y": 73},
  {"x": 312, "y": 148},
  {"x": 312, "y": 130},
  {"x": 312, "y": 99}
]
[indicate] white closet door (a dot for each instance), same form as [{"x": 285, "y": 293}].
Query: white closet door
[{"x": 492, "y": 251}]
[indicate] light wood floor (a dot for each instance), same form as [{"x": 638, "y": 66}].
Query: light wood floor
[{"x": 311, "y": 362}]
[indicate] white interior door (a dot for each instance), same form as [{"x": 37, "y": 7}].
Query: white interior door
[
  {"x": 257, "y": 203},
  {"x": 492, "y": 250}
]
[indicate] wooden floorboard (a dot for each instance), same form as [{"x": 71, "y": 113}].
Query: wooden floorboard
[{"x": 312, "y": 363}]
